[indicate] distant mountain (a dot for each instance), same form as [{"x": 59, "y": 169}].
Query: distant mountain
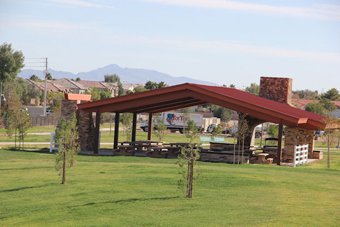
[{"x": 127, "y": 75}]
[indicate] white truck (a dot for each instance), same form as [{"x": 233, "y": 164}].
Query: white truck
[{"x": 175, "y": 121}]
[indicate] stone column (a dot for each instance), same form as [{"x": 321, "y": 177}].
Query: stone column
[
  {"x": 297, "y": 136},
  {"x": 86, "y": 130}
]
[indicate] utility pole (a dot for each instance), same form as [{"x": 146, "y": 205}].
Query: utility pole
[{"x": 45, "y": 90}]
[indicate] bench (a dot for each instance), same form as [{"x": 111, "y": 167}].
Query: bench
[
  {"x": 204, "y": 139},
  {"x": 219, "y": 139}
]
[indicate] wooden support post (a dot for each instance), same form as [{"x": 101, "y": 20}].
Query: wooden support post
[
  {"x": 150, "y": 126},
  {"x": 115, "y": 141},
  {"x": 134, "y": 126},
  {"x": 96, "y": 139},
  {"x": 279, "y": 150}
]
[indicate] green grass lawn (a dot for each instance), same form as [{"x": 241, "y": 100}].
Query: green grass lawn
[
  {"x": 107, "y": 138},
  {"x": 141, "y": 191}
]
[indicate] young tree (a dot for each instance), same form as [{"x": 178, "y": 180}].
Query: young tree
[
  {"x": 127, "y": 123},
  {"x": 12, "y": 108},
  {"x": 330, "y": 134},
  {"x": 161, "y": 130},
  {"x": 67, "y": 138},
  {"x": 186, "y": 115},
  {"x": 23, "y": 124},
  {"x": 216, "y": 131},
  {"x": 243, "y": 131},
  {"x": 187, "y": 161}
]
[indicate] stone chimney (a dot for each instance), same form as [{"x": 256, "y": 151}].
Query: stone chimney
[{"x": 276, "y": 89}]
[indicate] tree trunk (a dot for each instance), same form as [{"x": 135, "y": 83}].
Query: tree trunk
[
  {"x": 238, "y": 151},
  {"x": 191, "y": 173},
  {"x": 329, "y": 153},
  {"x": 242, "y": 149},
  {"x": 64, "y": 169},
  {"x": 234, "y": 149}
]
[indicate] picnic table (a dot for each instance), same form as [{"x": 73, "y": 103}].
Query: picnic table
[
  {"x": 261, "y": 158},
  {"x": 174, "y": 149}
]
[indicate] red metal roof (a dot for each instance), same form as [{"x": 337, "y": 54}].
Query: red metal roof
[{"x": 185, "y": 95}]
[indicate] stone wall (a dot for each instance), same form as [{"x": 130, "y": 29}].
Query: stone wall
[
  {"x": 277, "y": 89},
  {"x": 294, "y": 137},
  {"x": 223, "y": 157}
]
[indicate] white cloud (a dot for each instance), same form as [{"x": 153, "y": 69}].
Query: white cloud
[
  {"x": 82, "y": 3},
  {"x": 321, "y": 12}
]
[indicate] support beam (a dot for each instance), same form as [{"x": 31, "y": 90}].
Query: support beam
[
  {"x": 96, "y": 137},
  {"x": 134, "y": 126},
  {"x": 115, "y": 141},
  {"x": 150, "y": 126},
  {"x": 279, "y": 150}
]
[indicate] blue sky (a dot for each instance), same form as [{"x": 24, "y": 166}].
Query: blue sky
[{"x": 226, "y": 42}]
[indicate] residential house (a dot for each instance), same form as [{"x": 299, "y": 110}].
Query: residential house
[
  {"x": 72, "y": 86},
  {"x": 100, "y": 85}
]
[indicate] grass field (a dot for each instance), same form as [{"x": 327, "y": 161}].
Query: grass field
[
  {"x": 141, "y": 191},
  {"x": 107, "y": 138}
]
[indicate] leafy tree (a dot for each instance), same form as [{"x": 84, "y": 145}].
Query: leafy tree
[
  {"x": 49, "y": 76},
  {"x": 161, "y": 130},
  {"x": 253, "y": 89},
  {"x": 56, "y": 99},
  {"x": 232, "y": 86},
  {"x": 104, "y": 94},
  {"x": 315, "y": 107},
  {"x": 78, "y": 79},
  {"x": 223, "y": 113},
  {"x": 127, "y": 123},
  {"x": 151, "y": 85},
  {"x": 332, "y": 94},
  {"x": 120, "y": 88},
  {"x": 307, "y": 94},
  {"x": 11, "y": 62},
  {"x": 95, "y": 94},
  {"x": 112, "y": 78},
  {"x": 327, "y": 104},
  {"x": 34, "y": 78},
  {"x": 67, "y": 138},
  {"x": 187, "y": 161},
  {"x": 32, "y": 93},
  {"x": 273, "y": 131},
  {"x": 138, "y": 89},
  {"x": 21, "y": 88},
  {"x": 154, "y": 85},
  {"x": 161, "y": 84}
]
